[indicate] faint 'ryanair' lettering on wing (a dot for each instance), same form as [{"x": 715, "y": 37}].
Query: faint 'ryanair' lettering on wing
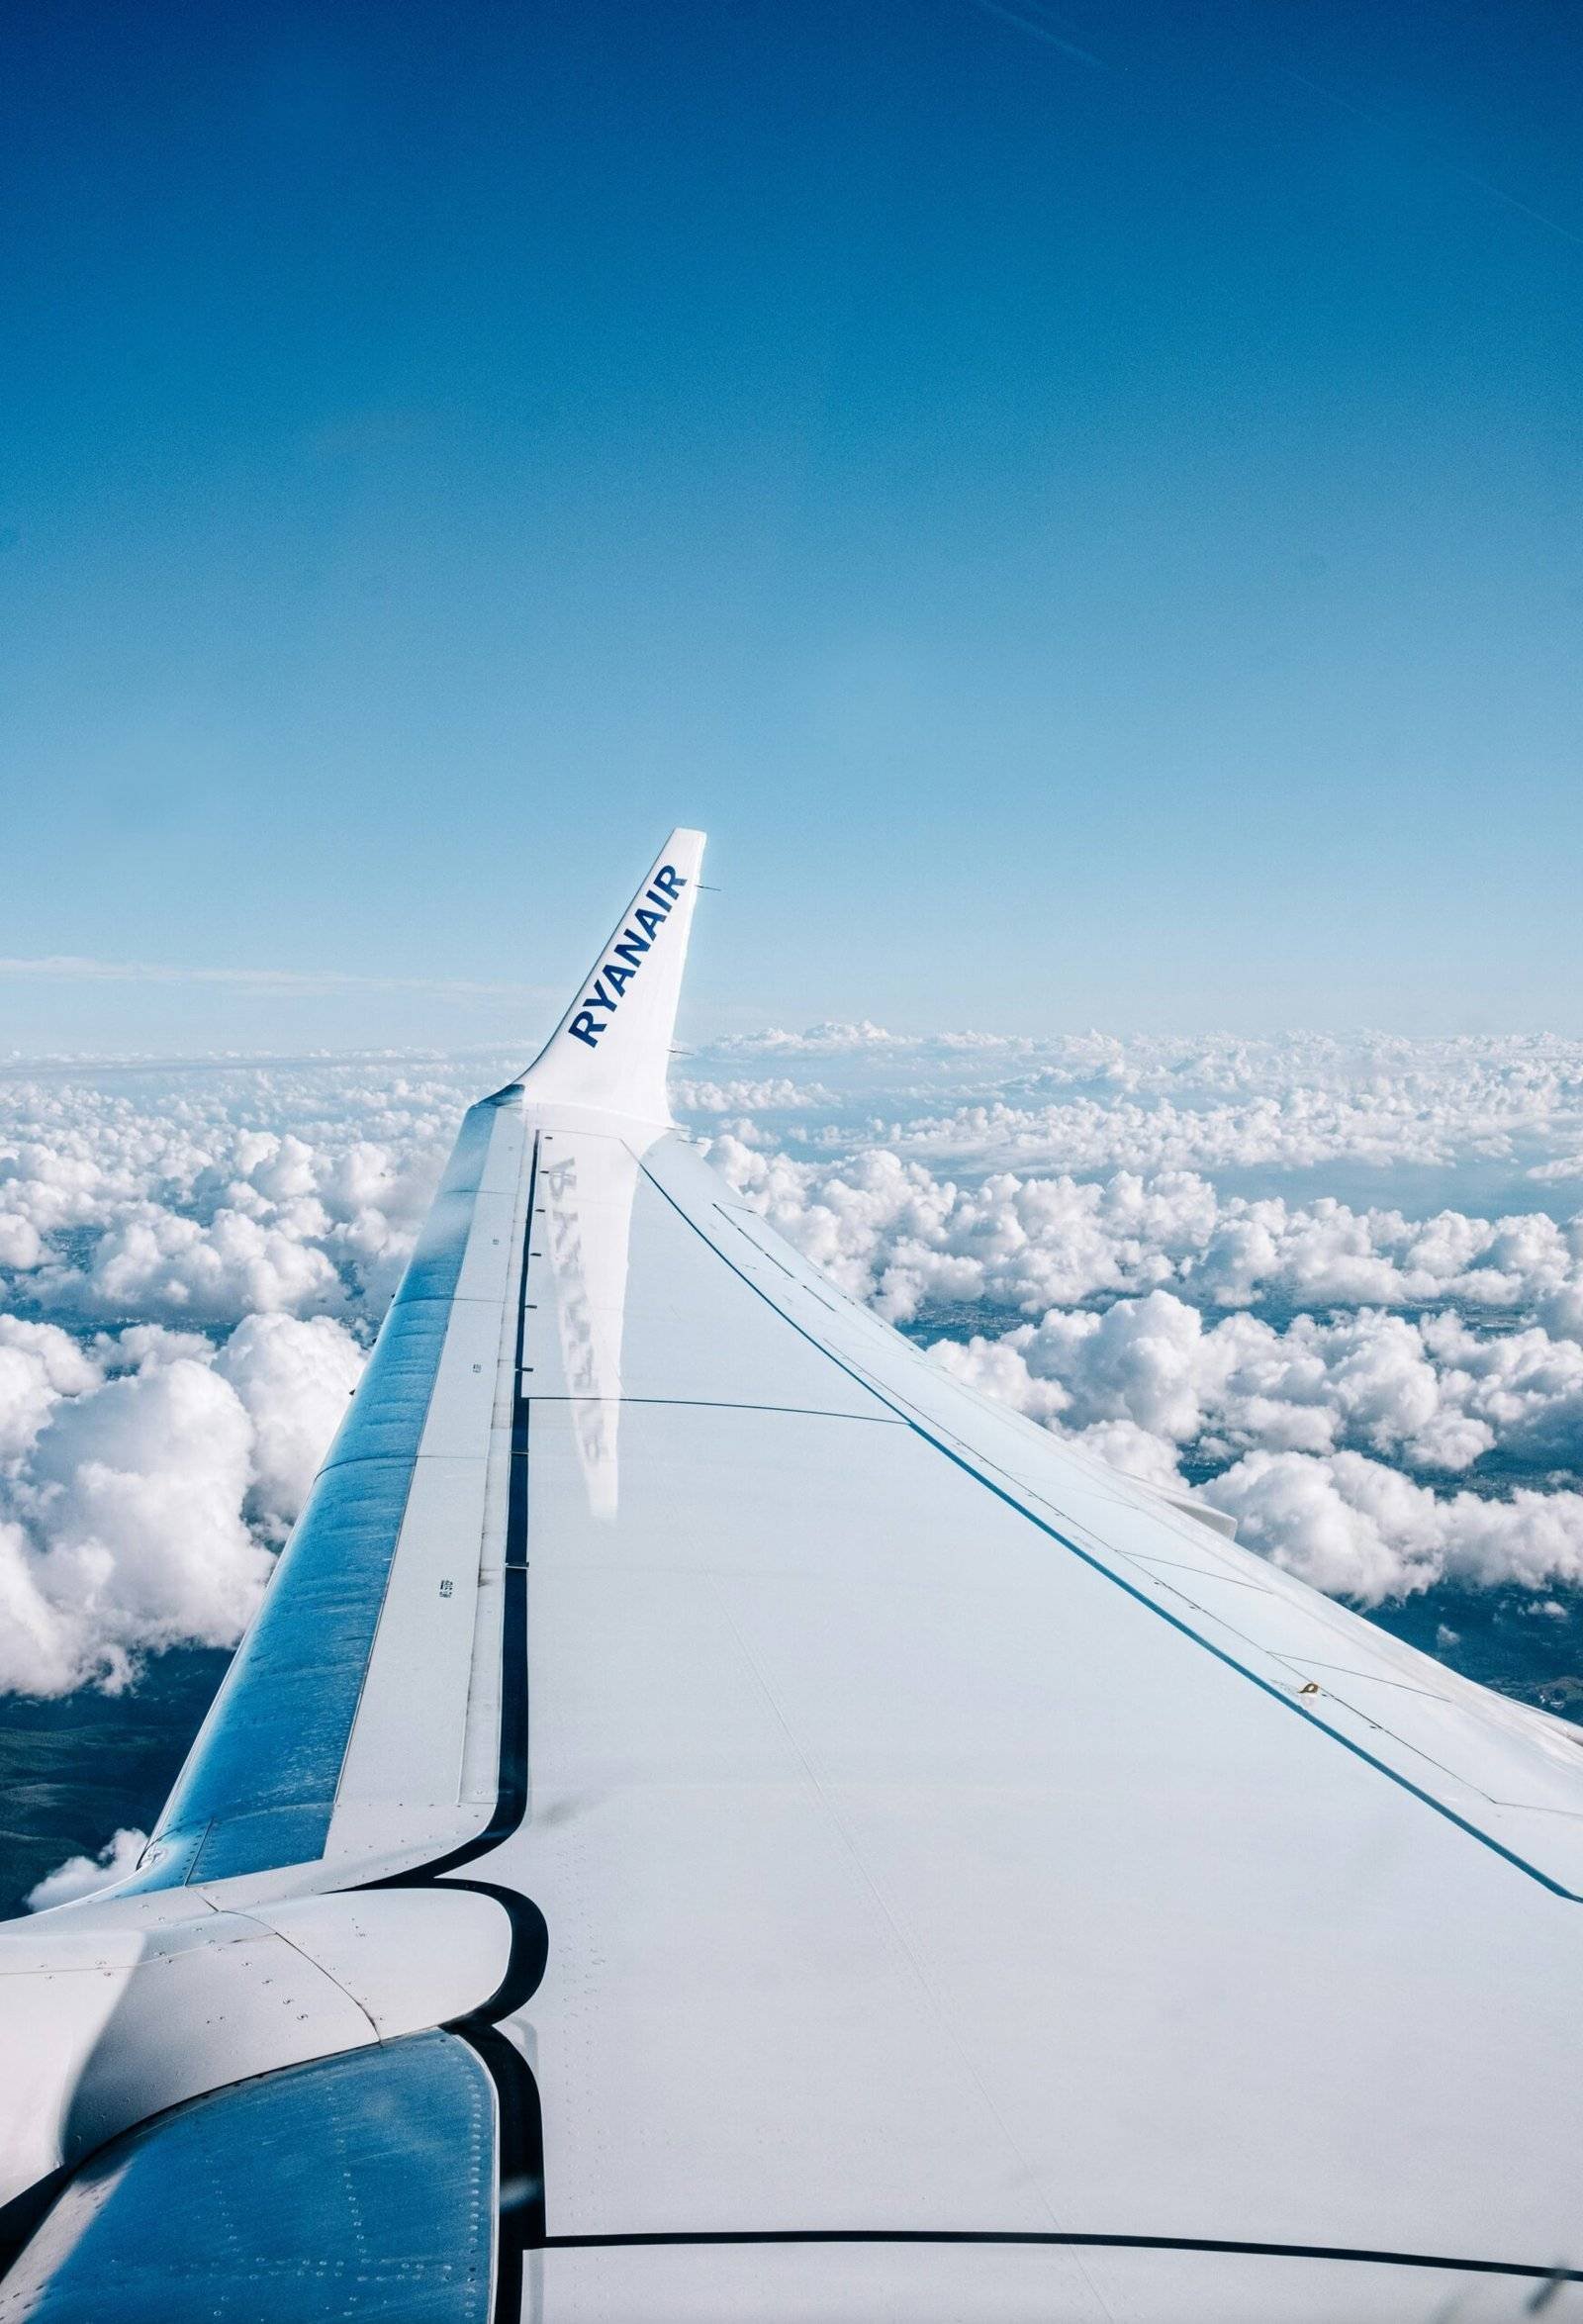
[{"x": 604, "y": 996}]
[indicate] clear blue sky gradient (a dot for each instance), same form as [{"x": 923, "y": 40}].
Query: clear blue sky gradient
[{"x": 1086, "y": 506}]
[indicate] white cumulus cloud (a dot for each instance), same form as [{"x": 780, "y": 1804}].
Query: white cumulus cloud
[
  {"x": 85, "y": 1876},
  {"x": 146, "y": 1477},
  {"x": 1356, "y": 1528}
]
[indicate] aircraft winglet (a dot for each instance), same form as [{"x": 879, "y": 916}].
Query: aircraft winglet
[{"x": 611, "y": 1048}]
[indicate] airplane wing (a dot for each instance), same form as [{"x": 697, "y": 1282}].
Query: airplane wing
[{"x": 715, "y": 1821}]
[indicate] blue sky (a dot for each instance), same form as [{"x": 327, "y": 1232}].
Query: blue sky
[{"x": 1084, "y": 507}]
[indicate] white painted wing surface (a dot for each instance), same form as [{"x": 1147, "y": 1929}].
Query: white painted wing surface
[
  {"x": 885, "y": 1864},
  {"x": 941, "y": 1838}
]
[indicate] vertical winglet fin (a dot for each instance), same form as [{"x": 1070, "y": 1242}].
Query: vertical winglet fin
[{"x": 611, "y": 1048}]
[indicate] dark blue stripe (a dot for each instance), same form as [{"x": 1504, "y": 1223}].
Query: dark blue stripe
[{"x": 1064, "y": 2239}]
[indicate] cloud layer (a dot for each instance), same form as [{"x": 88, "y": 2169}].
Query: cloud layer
[
  {"x": 1133, "y": 1241},
  {"x": 1092, "y": 1102},
  {"x": 889, "y": 1229}
]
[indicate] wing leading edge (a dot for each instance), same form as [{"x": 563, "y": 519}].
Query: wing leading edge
[{"x": 907, "y": 1867}]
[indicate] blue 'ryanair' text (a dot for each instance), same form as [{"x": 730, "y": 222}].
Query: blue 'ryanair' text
[{"x": 603, "y": 998}]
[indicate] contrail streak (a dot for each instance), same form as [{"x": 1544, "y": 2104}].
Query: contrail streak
[
  {"x": 1039, "y": 29},
  {"x": 1382, "y": 121}
]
